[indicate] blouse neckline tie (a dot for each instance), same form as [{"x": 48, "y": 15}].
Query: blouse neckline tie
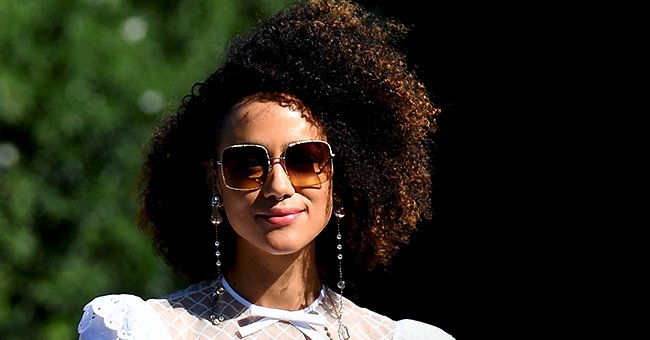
[{"x": 300, "y": 319}]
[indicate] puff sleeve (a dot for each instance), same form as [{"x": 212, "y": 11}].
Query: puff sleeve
[
  {"x": 407, "y": 329},
  {"x": 120, "y": 316}
]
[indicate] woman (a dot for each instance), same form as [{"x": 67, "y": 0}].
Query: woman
[{"x": 298, "y": 164}]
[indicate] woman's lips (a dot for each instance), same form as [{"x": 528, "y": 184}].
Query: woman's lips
[{"x": 281, "y": 217}]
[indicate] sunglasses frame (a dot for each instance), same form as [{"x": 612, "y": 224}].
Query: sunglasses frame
[{"x": 272, "y": 160}]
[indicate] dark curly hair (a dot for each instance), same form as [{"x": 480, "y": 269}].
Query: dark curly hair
[{"x": 348, "y": 67}]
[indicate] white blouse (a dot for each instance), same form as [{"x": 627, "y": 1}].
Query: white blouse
[{"x": 185, "y": 315}]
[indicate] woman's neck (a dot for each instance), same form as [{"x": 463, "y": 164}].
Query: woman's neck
[{"x": 289, "y": 282}]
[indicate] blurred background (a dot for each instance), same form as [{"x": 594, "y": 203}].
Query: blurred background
[{"x": 83, "y": 83}]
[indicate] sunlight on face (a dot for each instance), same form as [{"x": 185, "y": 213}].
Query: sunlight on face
[{"x": 277, "y": 218}]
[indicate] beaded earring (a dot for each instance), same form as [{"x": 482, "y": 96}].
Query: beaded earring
[
  {"x": 216, "y": 218},
  {"x": 339, "y": 213}
]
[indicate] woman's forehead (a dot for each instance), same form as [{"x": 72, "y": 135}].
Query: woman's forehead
[{"x": 267, "y": 123}]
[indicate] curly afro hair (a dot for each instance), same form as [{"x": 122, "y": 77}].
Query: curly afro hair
[{"x": 348, "y": 67}]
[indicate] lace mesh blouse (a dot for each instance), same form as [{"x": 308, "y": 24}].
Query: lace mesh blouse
[{"x": 186, "y": 315}]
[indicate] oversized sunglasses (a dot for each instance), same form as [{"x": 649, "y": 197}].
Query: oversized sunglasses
[{"x": 307, "y": 163}]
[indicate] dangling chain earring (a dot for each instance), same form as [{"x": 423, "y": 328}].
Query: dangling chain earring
[
  {"x": 216, "y": 218},
  {"x": 339, "y": 213}
]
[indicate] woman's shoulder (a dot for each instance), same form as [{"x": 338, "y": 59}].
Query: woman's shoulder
[
  {"x": 404, "y": 329},
  {"x": 120, "y": 316}
]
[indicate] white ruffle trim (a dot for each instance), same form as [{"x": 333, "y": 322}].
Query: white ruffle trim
[{"x": 123, "y": 317}]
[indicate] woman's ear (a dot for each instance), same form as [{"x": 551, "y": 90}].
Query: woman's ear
[{"x": 210, "y": 174}]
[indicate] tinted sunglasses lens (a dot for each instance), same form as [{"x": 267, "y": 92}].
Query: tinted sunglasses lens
[
  {"x": 244, "y": 166},
  {"x": 308, "y": 164}
]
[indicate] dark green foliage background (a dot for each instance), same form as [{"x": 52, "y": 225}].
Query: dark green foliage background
[{"x": 78, "y": 101}]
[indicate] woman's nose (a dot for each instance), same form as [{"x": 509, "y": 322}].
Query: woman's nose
[{"x": 278, "y": 184}]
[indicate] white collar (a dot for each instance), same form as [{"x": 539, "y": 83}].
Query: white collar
[{"x": 303, "y": 319}]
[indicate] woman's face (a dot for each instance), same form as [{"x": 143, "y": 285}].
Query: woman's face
[{"x": 278, "y": 218}]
